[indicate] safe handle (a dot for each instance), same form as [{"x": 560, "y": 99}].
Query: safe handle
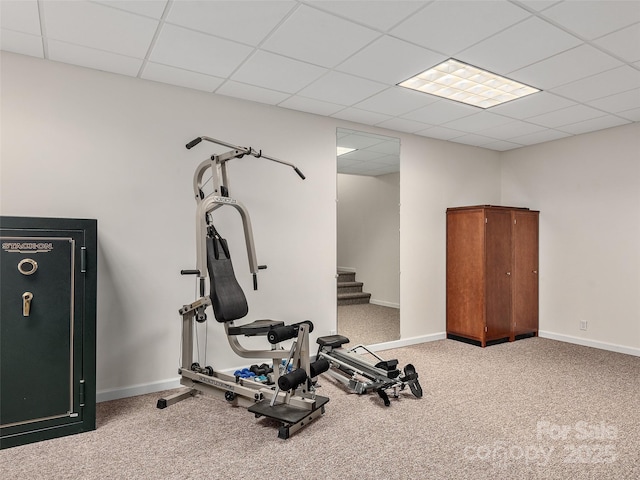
[{"x": 26, "y": 303}]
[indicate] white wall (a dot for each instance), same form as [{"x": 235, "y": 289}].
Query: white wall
[
  {"x": 369, "y": 233},
  {"x": 435, "y": 175},
  {"x": 587, "y": 189}
]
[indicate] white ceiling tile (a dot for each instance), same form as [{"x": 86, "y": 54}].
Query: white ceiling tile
[
  {"x": 311, "y": 105},
  {"x": 440, "y": 112},
  {"x": 387, "y": 160},
  {"x": 356, "y": 140},
  {"x": 368, "y": 141},
  {"x": 318, "y": 37},
  {"x": 633, "y": 114},
  {"x": 390, "y": 60},
  {"x": 361, "y": 156},
  {"x": 568, "y": 115},
  {"x": 565, "y": 67},
  {"x": 601, "y": 85},
  {"x": 182, "y": 48},
  {"x": 149, "y": 8},
  {"x": 340, "y": 88},
  {"x": 250, "y": 92},
  {"x": 501, "y": 146},
  {"x": 20, "y": 15},
  {"x": 389, "y": 148},
  {"x": 402, "y": 125},
  {"x": 510, "y": 130},
  {"x": 624, "y": 43},
  {"x": 619, "y": 102},
  {"x": 538, "y": 5},
  {"x": 361, "y": 116},
  {"x": 276, "y": 72},
  {"x": 473, "y": 139},
  {"x": 592, "y": 19},
  {"x": 89, "y": 57},
  {"x": 532, "y": 105},
  {"x": 600, "y": 123},
  {"x": 449, "y": 27},
  {"x": 22, "y": 43},
  {"x": 96, "y": 26},
  {"x": 478, "y": 121},
  {"x": 245, "y": 21},
  {"x": 346, "y": 162},
  {"x": 396, "y": 101},
  {"x": 182, "y": 78},
  {"x": 514, "y": 48},
  {"x": 385, "y": 170},
  {"x": 380, "y": 15},
  {"x": 359, "y": 169},
  {"x": 440, "y": 133},
  {"x": 540, "y": 137}
]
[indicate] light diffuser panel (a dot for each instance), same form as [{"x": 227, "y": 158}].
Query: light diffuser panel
[
  {"x": 464, "y": 83},
  {"x": 344, "y": 150}
]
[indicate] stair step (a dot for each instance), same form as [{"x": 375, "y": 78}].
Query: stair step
[
  {"x": 344, "y": 276},
  {"x": 350, "y": 287},
  {"x": 353, "y": 298}
]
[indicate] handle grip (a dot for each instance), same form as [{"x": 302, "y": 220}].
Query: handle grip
[
  {"x": 189, "y": 272},
  {"x": 193, "y": 143}
]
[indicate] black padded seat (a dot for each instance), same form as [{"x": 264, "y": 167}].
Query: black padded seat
[
  {"x": 257, "y": 327},
  {"x": 333, "y": 341}
]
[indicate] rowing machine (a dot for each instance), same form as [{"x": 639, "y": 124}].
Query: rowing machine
[{"x": 361, "y": 376}]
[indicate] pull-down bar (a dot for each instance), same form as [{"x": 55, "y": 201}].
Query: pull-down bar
[{"x": 242, "y": 151}]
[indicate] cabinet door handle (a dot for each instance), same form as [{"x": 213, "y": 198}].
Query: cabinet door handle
[
  {"x": 509, "y": 273},
  {"x": 535, "y": 272}
]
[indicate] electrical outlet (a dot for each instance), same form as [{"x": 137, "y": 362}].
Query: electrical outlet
[
  {"x": 332, "y": 332},
  {"x": 583, "y": 324}
]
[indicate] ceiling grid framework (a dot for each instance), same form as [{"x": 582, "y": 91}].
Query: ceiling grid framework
[{"x": 344, "y": 59}]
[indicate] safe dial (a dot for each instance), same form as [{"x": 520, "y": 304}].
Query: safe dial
[{"x": 27, "y": 266}]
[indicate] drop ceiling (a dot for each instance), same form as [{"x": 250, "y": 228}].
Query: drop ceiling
[{"x": 344, "y": 59}]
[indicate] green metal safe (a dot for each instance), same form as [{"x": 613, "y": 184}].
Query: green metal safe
[{"x": 47, "y": 328}]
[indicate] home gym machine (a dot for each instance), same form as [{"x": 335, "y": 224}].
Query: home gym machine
[
  {"x": 362, "y": 376},
  {"x": 288, "y": 396}
]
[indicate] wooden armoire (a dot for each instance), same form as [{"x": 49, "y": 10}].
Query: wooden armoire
[{"x": 492, "y": 273}]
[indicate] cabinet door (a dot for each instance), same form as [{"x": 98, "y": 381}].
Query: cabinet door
[
  {"x": 498, "y": 273},
  {"x": 525, "y": 281},
  {"x": 465, "y": 274}
]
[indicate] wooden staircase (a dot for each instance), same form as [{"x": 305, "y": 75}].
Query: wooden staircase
[{"x": 349, "y": 291}]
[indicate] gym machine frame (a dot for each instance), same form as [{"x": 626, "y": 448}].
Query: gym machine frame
[{"x": 292, "y": 401}]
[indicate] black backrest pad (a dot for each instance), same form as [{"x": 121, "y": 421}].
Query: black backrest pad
[{"x": 227, "y": 298}]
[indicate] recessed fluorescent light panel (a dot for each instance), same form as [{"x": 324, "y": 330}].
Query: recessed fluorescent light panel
[
  {"x": 464, "y": 83},
  {"x": 343, "y": 150}
]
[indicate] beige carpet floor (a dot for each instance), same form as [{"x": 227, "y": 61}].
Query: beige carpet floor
[
  {"x": 532, "y": 409},
  {"x": 368, "y": 323}
]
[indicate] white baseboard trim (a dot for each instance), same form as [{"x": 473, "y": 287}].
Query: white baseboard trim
[
  {"x": 405, "y": 342},
  {"x": 384, "y": 303},
  {"x": 117, "y": 393},
  {"x": 585, "y": 342}
]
